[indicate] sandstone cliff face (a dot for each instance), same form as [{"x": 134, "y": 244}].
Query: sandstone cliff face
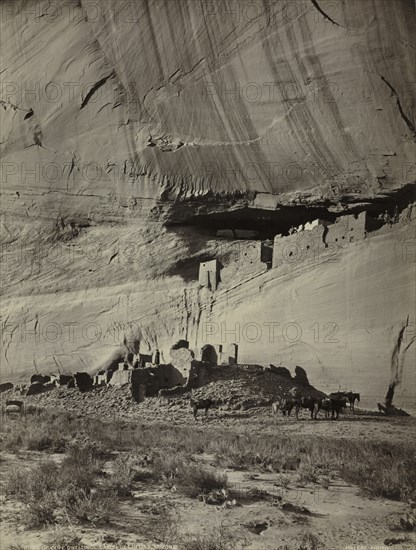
[
  {"x": 121, "y": 117},
  {"x": 122, "y": 102}
]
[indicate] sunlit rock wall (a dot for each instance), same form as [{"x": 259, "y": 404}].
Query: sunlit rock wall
[{"x": 118, "y": 116}]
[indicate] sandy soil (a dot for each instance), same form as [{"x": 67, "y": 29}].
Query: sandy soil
[{"x": 268, "y": 510}]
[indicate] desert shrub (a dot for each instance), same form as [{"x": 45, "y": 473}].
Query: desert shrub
[
  {"x": 39, "y": 444},
  {"x": 384, "y": 476},
  {"x": 11, "y": 441},
  {"x": 190, "y": 478},
  {"x": 167, "y": 468},
  {"x": 44, "y": 438},
  {"x": 96, "y": 507},
  {"x": 123, "y": 476},
  {"x": 37, "y": 489},
  {"x": 79, "y": 468},
  {"x": 43, "y": 479},
  {"x": 160, "y": 524},
  {"x": 142, "y": 474},
  {"x": 52, "y": 493},
  {"x": 62, "y": 538},
  {"x": 41, "y": 432},
  {"x": 223, "y": 539},
  {"x": 194, "y": 480},
  {"x": 83, "y": 453},
  {"x": 17, "y": 483},
  {"x": 307, "y": 473},
  {"x": 309, "y": 541},
  {"x": 41, "y": 511},
  {"x": 33, "y": 483}
]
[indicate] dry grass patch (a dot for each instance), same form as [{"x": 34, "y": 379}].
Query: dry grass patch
[
  {"x": 196, "y": 481},
  {"x": 223, "y": 539},
  {"x": 69, "y": 491},
  {"x": 381, "y": 469}
]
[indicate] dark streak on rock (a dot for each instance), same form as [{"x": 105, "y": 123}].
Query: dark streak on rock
[
  {"x": 408, "y": 122},
  {"x": 94, "y": 88},
  {"x": 112, "y": 257},
  {"x": 395, "y": 365},
  {"x": 321, "y": 11}
]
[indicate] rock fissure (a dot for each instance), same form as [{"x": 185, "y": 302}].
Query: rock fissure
[
  {"x": 321, "y": 11},
  {"x": 403, "y": 115},
  {"x": 94, "y": 88}
]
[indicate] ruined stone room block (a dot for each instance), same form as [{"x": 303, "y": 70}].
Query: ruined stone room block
[
  {"x": 209, "y": 274},
  {"x": 347, "y": 229},
  {"x": 121, "y": 377},
  {"x": 181, "y": 359},
  {"x": 83, "y": 381},
  {"x": 103, "y": 378},
  {"x": 41, "y": 378},
  {"x": 64, "y": 379},
  {"x": 299, "y": 248},
  {"x": 209, "y": 353},
  {"x": 197, "y": 375},
  {"x": 35, "y": 388}
]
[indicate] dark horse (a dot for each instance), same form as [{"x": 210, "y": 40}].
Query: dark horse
[
  {"x": 201, "y": 404},
  {"x": 334, "y": 404},
  {"x": 352, "y": 398},
  {"x": 309, "y": 404}
]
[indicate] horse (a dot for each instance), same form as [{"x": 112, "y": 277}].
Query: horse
[
  {"x": 201, "y": 404},
  {"x": 333, "y": 404},
  {"x": 352, "y": 398},
  {"x": 290, "y": 403},
  {"x": 308, "y": 403}
]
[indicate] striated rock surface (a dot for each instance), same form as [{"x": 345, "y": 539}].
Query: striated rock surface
[
  {"x": 121, "y": 121},
  {"x": 132, "y": 105}
]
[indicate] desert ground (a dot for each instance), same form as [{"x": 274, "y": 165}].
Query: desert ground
[{"x": 108, "y": 473}]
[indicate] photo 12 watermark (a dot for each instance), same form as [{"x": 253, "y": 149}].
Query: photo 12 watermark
[
  {"x": 269, "y": 332},
  {"x": 37, "y": 331},
  {"x": 69, "y": 11}
]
